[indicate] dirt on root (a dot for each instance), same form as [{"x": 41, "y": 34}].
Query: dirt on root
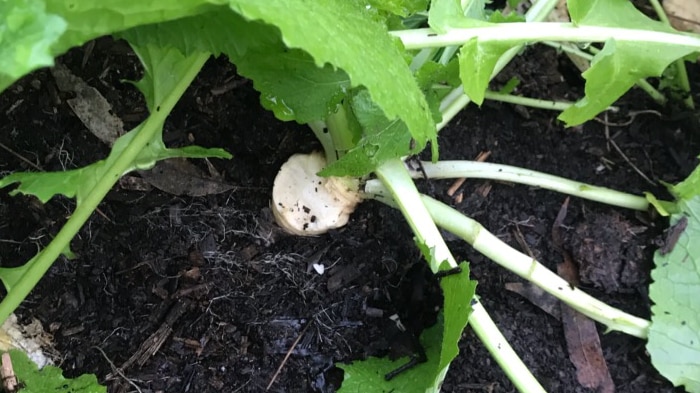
[{"x": 204, "y": 294}]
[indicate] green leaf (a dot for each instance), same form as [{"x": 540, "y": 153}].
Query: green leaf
[
  {"x": 382, "y": 139},
  {"x": 343, "y": 34},
  {"x": 88, "y": 19},
  {"x": 620, "y": 64},
  {"x": 290, "y": 83},
  {"x": 27, "y": 33},
  {"x": 78, "y": 183},
  {"x": 437, "y": 81},
  {"x": 674, "y": 335},
  {"x": 689, "y": 187},
  {"x": 219, "y": 31},
  {"x": 50, "y": 378},
  {"x": 442, "y": 13},
  {"x": 446, "y": 14},
  {"x": 307, "y": 92},
  {"x": 33, "y": 32},
  {"x": 400, "y": 7},
  {"x": 439, "y": 342},
  {"x": 477, "y": 61}
]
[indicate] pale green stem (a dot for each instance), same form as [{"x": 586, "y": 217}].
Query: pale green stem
[
  {"x": 487, "y": 170},
  {"x": 530, "y": 269},
  {"x": 398, "y": 190},
  {"x": 397, "y": 180},
  {"x": 523, "y": 32},
  {"x": 320, "y": 129},
  {"x": 526, "y": 101},
  {"x": 524, "y": 266}
]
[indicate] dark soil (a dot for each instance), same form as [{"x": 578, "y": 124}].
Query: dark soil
[{"x": 228, "y": 293}]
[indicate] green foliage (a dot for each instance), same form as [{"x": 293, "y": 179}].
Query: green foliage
[
  {"x": 310, "y": 58},
  {"x": 383, "y": 139},
  {"x": 674, "y": 336},
  {"x": 168, "y": 74},
  {"x": 439, "y": 342},
  {"x": 50, "y": 378},
  {"x": 27, "y": 33},
  {"x": 620, "y": 64},
  {"x": 339, "y": 35},
  {"x": 477, "y": 60},
  {"x": 688, "y": 188}
]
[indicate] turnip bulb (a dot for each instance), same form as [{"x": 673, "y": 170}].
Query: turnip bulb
[{"x": 306, "y": 204}]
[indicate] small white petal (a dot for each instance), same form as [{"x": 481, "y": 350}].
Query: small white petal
[{"x": 319, "y": 267}]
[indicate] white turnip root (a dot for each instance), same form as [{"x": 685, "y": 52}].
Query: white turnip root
[{"x": 306, "y": 204}]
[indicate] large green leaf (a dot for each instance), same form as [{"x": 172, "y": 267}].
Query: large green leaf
[
  {"x": 674, "y": 335},
  {"x": 343, "y": 34},
  {"x": 290, "y": 83},
  {"x": 88, "y": 19},
  {"x": 27, "y": 34}
]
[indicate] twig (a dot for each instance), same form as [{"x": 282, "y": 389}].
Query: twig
[
  {"x": 632, "y": 116},
  {"x": 289, "y": 353},
  {"x": 619, "y": 151},
  {"x": 33, "y": 165},
  {"x": 483, "y": 156},
  {"x": 118, "y": 370}
]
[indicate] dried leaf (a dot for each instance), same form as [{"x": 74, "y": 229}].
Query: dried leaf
[
  {"x": 180, "y": 177},
  {"x": 89, "y": 105}
]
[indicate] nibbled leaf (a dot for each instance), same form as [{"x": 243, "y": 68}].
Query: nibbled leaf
[
  {"x": 439, "y": 342},
  {"x": 50, "y": 378},
  {"x": 620, "y": 64},
  {"x": 290, "y": 82},
  {"x": 88, "y": 19},
  {"x": 674, "y": 335}
]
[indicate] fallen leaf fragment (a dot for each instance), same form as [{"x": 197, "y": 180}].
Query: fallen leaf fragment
[
  {"x": 683, "y": 14},
  {"x": 582, "y": 339},
  {"x": 538, "y": 297},
  {"x": 180, "y": 177},
  {"x": 89, "y": 105}
]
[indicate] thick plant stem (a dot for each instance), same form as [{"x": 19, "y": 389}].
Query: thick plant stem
[
  {"x": 43, "y": 261},
  {"x": 397, "y": 180},
  {"x": 486, "y": 170},
  {"x": 499, "y": 348},
  {"x": 398, "y": 190},
  {"x": 530, "y": 269},
  {"x": 540, "y": 31}
]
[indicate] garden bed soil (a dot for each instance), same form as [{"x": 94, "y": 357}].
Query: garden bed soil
[{"x": 204, "y": 294}]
